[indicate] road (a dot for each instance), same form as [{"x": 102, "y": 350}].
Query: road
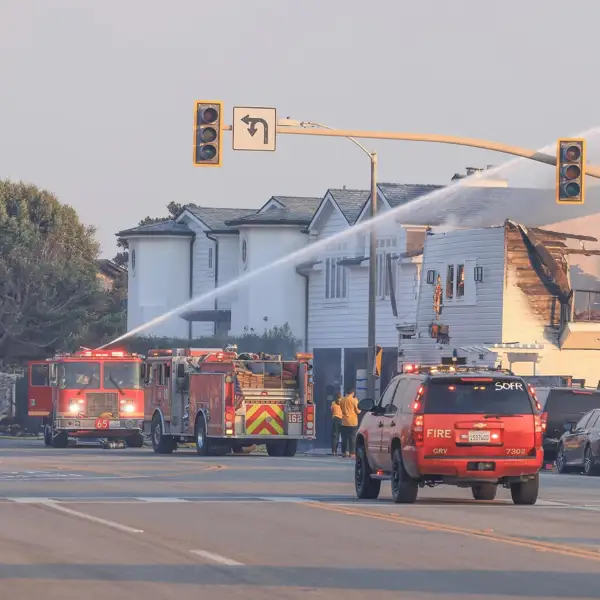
[{"x": 93, "y": 523}]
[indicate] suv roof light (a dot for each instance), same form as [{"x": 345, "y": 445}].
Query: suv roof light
[{"x": 433, "y": 370}]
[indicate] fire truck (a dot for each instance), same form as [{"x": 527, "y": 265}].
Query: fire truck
[
  {"x": 224, "y": 401},
  {"x": 90, "y": 393}
]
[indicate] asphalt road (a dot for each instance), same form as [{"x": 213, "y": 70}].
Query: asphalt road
[{"x": 103, "y": 524}]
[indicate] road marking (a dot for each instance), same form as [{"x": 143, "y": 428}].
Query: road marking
[
  {"x": 292, "y": 500},
  {"x": 223, "y": 560},
  {"x": 85, "y": 516},
  {"x": 161, "y": 500},
  {"x": 443, "y": 528}
]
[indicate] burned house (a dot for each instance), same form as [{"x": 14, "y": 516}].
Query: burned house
[{"x": 512, "y": 293}]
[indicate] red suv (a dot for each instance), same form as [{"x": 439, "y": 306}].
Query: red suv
[{"x": 451, "y": 425}]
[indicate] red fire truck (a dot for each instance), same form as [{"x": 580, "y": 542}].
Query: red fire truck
[
  {"x": 223, "y": 401},
  {"x": 90, "y": 393}
]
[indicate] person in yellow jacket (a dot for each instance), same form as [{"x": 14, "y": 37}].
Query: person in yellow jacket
[
  {"x": 350, "y": 412},
  {"x": 336, "y": 423}
]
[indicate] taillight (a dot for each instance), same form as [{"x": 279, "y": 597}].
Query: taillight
[
  {"x": 417, "y": 430},
  {"x": 309, "y": 420},
  {"x": 539, "y": 431},
  {"x": 544, "y": 421}
]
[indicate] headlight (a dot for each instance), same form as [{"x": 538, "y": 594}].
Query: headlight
[
  {"x": 128, "y": 408},
  {"x": 74, "y": 408}
]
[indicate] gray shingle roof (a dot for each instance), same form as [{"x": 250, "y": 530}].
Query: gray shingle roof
[
  {"x": 295, "y": 211},
  {"x": 350, "y": 202},
  {"x": 401, "y": 193},
  {"x": 166, "y": 227},
  {"x": 216, "y": 218},
  {"x": 307, "y": 205}
]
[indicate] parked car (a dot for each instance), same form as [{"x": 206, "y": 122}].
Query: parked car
[
  {"x": 560, "y": 406},
  {"x": 579, "y": 446}
]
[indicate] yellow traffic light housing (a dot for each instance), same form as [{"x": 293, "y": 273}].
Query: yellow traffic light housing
[
  {"x": 207, "y": 133},
  {"x": 570, "y": 171}
]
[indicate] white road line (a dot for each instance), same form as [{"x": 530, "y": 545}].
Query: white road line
[
  {"x": 161, "y": 500},
  {"x": 76, "y": 513},
  {"x": 223, "y": 560}
]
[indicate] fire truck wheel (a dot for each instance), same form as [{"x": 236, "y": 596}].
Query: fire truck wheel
[
  {"x": 201, "y": 442},
  {"x": 60, "y": 440},
  {"x": 276, "y": 448},
  {"x": 291, "y": 446},
  {"x": 135, "y": 441},
  {"x": 47, "y": 435},
  {"x": 161, "y": 444}
]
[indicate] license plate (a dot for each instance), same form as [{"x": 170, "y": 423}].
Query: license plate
[
  {"x": 295, "y": 418},
  {"x": 102, "y": 423},
  {"x": 480, "y": 437}
]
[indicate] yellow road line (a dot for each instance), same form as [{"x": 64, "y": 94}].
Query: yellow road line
[{"x": 474, "y": 533}]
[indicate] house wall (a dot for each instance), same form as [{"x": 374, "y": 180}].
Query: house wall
[
  {"x": 342, "y": 322},
  {"x": 276, "y": 296},
  {"x": 158, "y": 282},
  {"x": 476, "y": 317}
]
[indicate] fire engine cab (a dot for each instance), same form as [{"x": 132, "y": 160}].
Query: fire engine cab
[
  {"x": 90, "y": 393},
  {"x": 224, "y": 401}
]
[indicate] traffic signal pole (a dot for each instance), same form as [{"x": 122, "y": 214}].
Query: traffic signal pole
[
  {"x": 372, "y": 324},
  {"x": 548, "y": 159}
]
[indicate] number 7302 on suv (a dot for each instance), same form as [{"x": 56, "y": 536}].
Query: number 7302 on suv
[{"x": 470, "y": 428}]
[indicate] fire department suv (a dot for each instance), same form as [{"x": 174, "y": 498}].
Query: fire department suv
[
  {"x": 224, "y": 401},
  {"x": 94, "y": 394}
]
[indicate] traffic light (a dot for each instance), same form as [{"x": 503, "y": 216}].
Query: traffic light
[
  {"x": 570, "y": 172},
  {"x": 207, "y": 133},
  {"x": 378, "y": 359}
]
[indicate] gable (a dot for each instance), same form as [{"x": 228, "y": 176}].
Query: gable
[
  {"x": 189, "y": 218},
  {"x": 327, "y": 208},
  {"x": 272, "y": 203},
  {"x": 382, "y": 205}
]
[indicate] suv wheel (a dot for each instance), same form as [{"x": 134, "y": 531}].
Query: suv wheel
[
  {"x": 366, "y": 488},
  {"x": 484, "y": 491},
  {"x": 404, "y": 489},
  {"x": 588, "y": 463},
  {"x": 526, "y": 492},
  {"x": 561, "y": 465}
]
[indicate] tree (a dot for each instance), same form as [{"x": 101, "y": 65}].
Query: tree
[
  {"x": 122, "y": 257},
  {"x": 48, "y": 273}
]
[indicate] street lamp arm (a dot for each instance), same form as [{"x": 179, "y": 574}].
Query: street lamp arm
[{"x": 320, "y": 125}]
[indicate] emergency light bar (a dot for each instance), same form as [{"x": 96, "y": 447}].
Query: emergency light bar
[{"x": 420, "y": 369}]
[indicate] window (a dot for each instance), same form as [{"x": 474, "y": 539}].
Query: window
[
  {"x": 386, "y": 247},
  {"x": 388, "y": 394},
  {"x": 495, "y": 397},
  {"x": 123, "y": 375},
  {"x": 593, "y": 424},
  {"x": 460, "y": 285},
  {"x": 336, "y": 279},
  {"x": 40, "y": 375},
  {"x": 460, "y": 281},
  {"x": 450, "y": 282},
  {"x": 210, "y": 258},
  {"x": 79, "y": 375},
  {"x": 584, "y": 421}
]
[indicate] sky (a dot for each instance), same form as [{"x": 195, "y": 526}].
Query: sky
[{"x": 97, "y": 97}]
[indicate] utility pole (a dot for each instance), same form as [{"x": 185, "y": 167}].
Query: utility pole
[{"x": 372, "y": 325}]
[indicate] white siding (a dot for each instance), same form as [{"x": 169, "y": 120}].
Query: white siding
[
  {"x": 158, "y": 283},
  {"x": 477, "y": 317},
  {"x": 342, "y": 322},
  {"x": 228, "y": 267}
]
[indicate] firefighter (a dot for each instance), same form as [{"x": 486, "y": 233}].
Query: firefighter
[
  {"x": 336, "y": 422},
  {"x": 350, "y": 412}
]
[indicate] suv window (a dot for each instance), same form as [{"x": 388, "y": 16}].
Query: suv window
[
  {"x": 492, "y": 396},
  {"x": 584, "y": 421},
  {"x": 388, "y": 394},
  {"x": 571, "y": 402},
  {"x": 594, "y": 420}
]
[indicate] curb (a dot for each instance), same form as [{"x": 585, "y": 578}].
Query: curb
[{"x": 31, "y": 438}]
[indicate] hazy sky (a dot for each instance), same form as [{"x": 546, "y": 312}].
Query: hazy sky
[{"x": 97, "y": 96}]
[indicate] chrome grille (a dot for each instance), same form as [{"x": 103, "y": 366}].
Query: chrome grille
[{"x": 101, "y": 402}]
